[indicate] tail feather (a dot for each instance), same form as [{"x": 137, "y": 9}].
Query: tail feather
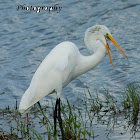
[{"x": 28, "y": 100}]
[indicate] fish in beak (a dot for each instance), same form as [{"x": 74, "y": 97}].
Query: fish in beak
[{"x": 107, "y": 46}]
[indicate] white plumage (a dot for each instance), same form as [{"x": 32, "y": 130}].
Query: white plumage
[{"x": 63, "y": 64}]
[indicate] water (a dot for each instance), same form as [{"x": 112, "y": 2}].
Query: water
[{"x": 26, "y": 37}]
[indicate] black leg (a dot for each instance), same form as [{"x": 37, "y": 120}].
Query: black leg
[
  {"x": 60, "y": 119},
  {"x": 55, "y": 116}
]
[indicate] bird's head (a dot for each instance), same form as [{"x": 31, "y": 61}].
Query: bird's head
[{"x": 102, "y": 33}]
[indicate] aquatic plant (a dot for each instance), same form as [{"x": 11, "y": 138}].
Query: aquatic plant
[{"x": 78, "y": 120}]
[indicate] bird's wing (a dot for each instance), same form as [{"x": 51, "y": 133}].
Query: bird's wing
[
  {"x": 63, "y": 63},
  {"x": 53, "y": 72}
]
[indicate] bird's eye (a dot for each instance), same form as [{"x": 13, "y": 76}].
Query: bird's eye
[{"x": 106, "y": 33}]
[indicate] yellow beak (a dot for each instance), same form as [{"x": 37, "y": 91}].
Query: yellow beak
[{"x": 107, "y": 47}]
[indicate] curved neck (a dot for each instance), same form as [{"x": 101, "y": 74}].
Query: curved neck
[{"x": 86, "y": 63}]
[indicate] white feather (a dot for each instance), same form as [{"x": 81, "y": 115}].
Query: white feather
[{"x": 63, "y": 64}]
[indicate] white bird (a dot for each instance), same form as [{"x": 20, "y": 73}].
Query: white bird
[{"x": 64, "y": 63}]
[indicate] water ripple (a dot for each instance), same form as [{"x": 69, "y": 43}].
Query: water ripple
[{"x": 27, "y": 37}]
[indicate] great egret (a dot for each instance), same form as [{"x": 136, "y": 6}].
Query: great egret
[{"x": 63, "y": 64}]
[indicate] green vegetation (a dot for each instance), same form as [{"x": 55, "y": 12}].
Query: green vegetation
[
  {"x": 131, "y": 98},
  {"x": 78, "y": 120}
]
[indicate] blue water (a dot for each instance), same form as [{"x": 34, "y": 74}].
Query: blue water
[{"x": 26, "y": 37}]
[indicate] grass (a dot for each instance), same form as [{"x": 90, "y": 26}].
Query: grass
[
  {"x": 79, "y": 120},
  {"x": 131, "y": 98}
]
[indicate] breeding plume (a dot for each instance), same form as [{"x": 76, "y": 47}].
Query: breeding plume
[{"x": 63, "y": 64}]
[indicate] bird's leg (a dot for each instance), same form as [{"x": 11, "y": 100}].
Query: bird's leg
[
  {"x": 55, "y": 116},
  {"x": 60, "y": 119},
  {"x": 27, "y": 122},
  {"x": 26, "y": 119}
]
